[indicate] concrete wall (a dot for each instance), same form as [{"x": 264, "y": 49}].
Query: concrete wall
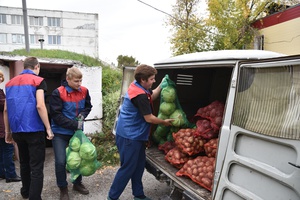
[{"x": 92, "y": 79}]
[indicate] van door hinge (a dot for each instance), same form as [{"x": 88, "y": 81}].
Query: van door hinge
[{"x": 298, "y": 166}]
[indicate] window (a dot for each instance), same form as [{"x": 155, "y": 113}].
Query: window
[
  {"x": 259, "y": 42},
  {"x": 267, "y": 100},
  {"x": 54, "y": 21},
  {"x": 54, "y": 39},
  {"x": 36, "y": 21},
  {"x": 34, "y": 39},
  {"x": 2, "y": 38},
  {"x": 18, "y": 39},
  {"x": 2, "y": 19},
  {"x": 17, "y": 19}
]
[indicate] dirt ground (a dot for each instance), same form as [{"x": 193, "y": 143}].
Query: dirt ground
[{"x": 98, "y": 185}]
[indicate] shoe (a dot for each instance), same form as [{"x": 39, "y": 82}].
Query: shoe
[
  {"x": 146, "y": 198},
  {"x": 16, "y": 179},
  {"x": 80, "y": 188},
  {"x": 64, "y": 195},
  {"x": 24, "y": 194}
]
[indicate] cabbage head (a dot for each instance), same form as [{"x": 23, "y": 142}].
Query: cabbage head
[
  {"x": 87, "y": 168},
  {"x": 179, "y": 118},
  {"x": 67, "y": 150},
  {"x": 162, "y": 116},
  {"x": 73, "y": 160},
  {"x": 74, "y": 144},
  {"x": 167, "y": 108},
  {"x": 88, "y": 151},
  {"x": 168, "y": 94},
  {"x": 162, "y": 130}
]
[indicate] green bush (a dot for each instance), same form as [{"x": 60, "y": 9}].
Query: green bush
[{"x": 111, "y": 80}]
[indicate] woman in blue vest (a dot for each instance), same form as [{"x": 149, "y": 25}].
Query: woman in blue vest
[{"x": 132, "y": 132}]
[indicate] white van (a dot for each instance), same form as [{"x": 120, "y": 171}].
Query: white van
[{"x": 258, "y": 154}]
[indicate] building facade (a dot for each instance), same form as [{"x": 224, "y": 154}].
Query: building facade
[
  {"x": 280, "y": 32},
  {"x": 49, "y": 29}
]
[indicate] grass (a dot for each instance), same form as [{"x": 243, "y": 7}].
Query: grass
[
  {"x": 111, "y": 84},
  {"x": 59, "y": 54}
]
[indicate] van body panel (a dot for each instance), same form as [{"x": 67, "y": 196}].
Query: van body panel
[
  {"x": 256, "y": 165},
  {"x": 222, "y": 55}
]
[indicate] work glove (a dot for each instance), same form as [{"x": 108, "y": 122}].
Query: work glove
[
  {"x": 164, "y": 82},
  {"x": 80, "y": 117},
  {"x": 80, "y": 125}
]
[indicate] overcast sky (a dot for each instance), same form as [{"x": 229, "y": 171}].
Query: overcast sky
[{"x": 126, "y": 27}]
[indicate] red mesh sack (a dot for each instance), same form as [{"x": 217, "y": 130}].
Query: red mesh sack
[
  {"x": 205, "y": 130},
  {"x": 166, "y": 147},
  {"x": 210, "y": 147},
  {"x": 200, "y": 170},
  {"x": 176, "y": 157},
  {"x": 212, "y": 111},
  {"x": 186, "y": 141}
]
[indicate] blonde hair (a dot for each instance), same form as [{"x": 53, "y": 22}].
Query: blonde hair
[
  {"x": 73, "y": 72},
  {"x": 2, "y": 75}
]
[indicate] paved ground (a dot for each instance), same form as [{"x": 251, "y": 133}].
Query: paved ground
[{"x": 98, "y": 185}]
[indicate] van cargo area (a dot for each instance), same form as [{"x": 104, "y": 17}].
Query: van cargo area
[{"x": 196, "y": 88}]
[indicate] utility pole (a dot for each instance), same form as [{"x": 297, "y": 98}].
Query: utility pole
[{"x": 25, "y": 25}]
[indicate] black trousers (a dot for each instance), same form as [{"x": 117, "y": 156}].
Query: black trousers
[{"x": 32, "y": 157}]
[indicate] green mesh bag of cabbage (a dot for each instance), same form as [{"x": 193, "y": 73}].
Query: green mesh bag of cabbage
[
  {"x": 169, "y": 108},
  {"x": 81, "y": 156}
]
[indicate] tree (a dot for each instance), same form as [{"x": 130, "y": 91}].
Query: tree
[
  {"x": 189, "y": 31},
  {"x": 231, "y": 21},
  {"x": 228, "y": 25},
  {"x": 127, "y": 61}
]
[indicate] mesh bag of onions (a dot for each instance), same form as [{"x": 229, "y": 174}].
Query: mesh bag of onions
[
  {"x": 210, "y": 147},
  {"x": 166, "y": 147},
  {"x": 210, "y": 121},
  {"x": 177, "y": 158},
  {"x": 186, "y": 141},
  {"x": 205, "y": 130},
  {"x": 200, "y": 170}
]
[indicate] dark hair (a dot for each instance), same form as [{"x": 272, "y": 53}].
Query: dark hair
[
  {"x": 30, "y": 62},
  {"x": 144, "y": 72}
]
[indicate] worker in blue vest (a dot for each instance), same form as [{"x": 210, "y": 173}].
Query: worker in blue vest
[
  {"x": 26, "y": 119},
  {"x": 70, "y": 104},
  {"x": 132, "y": 131}
]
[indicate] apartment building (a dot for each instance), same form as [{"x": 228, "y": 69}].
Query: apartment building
[{"x": 49, "y": 29}]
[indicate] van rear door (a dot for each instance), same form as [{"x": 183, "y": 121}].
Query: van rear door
[{"x": 262, "y": 158}]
